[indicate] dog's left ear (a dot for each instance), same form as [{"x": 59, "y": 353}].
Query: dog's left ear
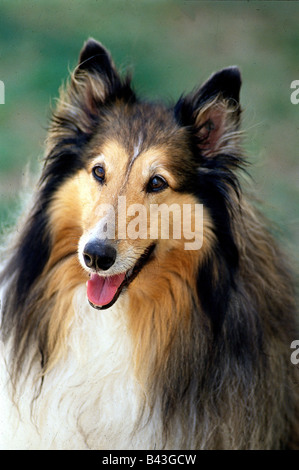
[{"x": 213, "y": 112}]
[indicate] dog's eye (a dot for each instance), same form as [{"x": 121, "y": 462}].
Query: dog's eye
[
  {"x": 156, "y": 183},
  {"x": 99, "y": 173}
]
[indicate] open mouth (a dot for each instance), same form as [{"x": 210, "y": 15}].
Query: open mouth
[{"x": 103, "y": 291}]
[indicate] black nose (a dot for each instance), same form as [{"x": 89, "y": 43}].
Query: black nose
[{"x": 98, "y": 254}]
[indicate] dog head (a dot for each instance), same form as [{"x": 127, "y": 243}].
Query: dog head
[{"x": 137, "y": 178}]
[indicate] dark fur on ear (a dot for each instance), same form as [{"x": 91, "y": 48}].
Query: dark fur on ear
[
  {"x": 95, "y": 59},
  {"x": 226, "y": 82}
]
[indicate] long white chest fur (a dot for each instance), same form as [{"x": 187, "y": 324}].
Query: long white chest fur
[{"x": 90, "y": 399}]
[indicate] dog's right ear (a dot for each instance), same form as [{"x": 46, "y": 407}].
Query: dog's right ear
[{"x": 94, "y": 82}]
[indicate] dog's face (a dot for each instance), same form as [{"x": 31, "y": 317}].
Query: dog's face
[
  {"x": 133, "y": 198},
  {"x": 132, "y": 210}
]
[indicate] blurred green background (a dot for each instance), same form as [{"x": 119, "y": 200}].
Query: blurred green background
[{"x": 172, "y": 46}]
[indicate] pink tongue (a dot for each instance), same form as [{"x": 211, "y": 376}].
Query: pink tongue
[{"x": 101, "y": 290}]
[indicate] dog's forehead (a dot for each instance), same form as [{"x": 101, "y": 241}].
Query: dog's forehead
[
  {"x": 138, "y": 127},
  {"x": 130, "y": 133}
]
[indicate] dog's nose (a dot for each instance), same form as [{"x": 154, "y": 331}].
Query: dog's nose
[{"x": 99, "y": 255}]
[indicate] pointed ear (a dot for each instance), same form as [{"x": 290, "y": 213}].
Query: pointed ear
[
  {"x": 94, "y": 81},
  {"x": 213, "y": 112},
  {"x": 95, "y": 59}
]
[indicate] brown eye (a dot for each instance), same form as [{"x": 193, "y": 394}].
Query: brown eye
[
  {"x": 156, "y": 183},
  {"x": 99, "y": 173}
]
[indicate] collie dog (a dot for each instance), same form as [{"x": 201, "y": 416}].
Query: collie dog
[{"x": 144, "y": 303}]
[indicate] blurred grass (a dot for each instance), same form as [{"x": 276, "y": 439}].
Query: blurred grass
[{"x": 172, "y": 46}]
